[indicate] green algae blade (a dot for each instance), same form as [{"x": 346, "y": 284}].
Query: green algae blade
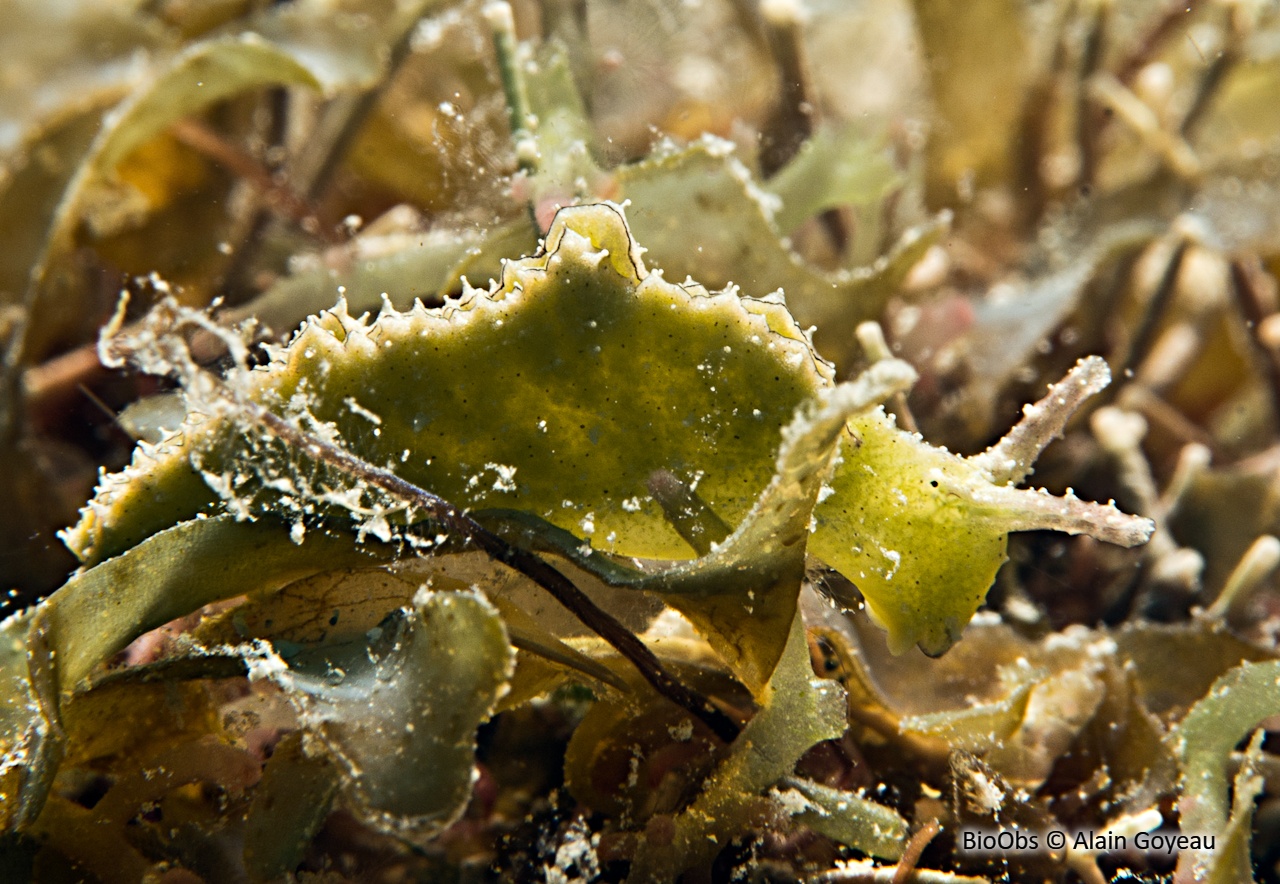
[
  {"x": 559, "y": 392},
  {"x": 742, "y": 595},
  {"x": 173, "y": 573},
  {"x": 741, "y": 592},
  {"x": 846, "y": 817},
  {"x": 922, "y": 531},
  {"x": 699, "y": 213}
]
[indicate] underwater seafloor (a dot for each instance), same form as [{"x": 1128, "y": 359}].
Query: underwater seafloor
[{"x": 640, "y": 440}]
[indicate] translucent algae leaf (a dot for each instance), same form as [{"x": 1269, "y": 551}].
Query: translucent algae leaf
[
  {"x": 168, "y": 576},
  {"x": 401, "y": 266},
  {"x": 922, "y": 531},
  {"x": 834, "y": 168},
  {"x": 700, "y": 214},
  {"x": 1048, "y": 696},
  {"x": 561, "y": 390},
  {"x": 874, "y": 829},
  {"x": 399, "y": 716},
  {"x": 51, "y": 648},
  {"x": 747, "y": 586}
]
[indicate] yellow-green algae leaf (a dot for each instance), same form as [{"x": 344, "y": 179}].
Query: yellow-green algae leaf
[
  {"x": 558, "y": 392},
  {"x": 562, "y": 389},
  {"x": 922, "y": 532},
  {"x": 741, "y": 591}
]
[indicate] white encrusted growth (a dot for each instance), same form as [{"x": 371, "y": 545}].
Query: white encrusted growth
[
  {"x": 1010, "y": 460},
  {"x": 1020, "y": 509}
]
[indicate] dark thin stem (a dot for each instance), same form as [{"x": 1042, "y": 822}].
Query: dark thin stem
[
  {"x": 1146, "y": 333},
  {"x": 1214, "y": 77},
  {"x": 200, "y": 137},
  {"x": 791, "y": 123},
  {"x": 1177, "y": 12},
  {"x": 13, "y": 406},
  {"x": 356, "y": 116},
  {"x": 455, "y": 520},
  {"x": 1035, "y": 130},
  {"x": 1254, "y": 309},
  {"x": 1090, "y": 118},
  {"x": 794, "y": 117}
]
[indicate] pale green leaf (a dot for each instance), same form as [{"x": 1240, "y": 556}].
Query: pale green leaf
[
  {"x": 397, "y": 266},
  {"x": 398, "y": 715},
  {"x": 1233, "y": 861},
  {"x": 980, "y": 727},
  {"x": 1234, "y": 706},
  {"x": 841, "y": 815},
  {"x": 833, "y": 168},
  {"x": 699, "y": 214},
  {"x": 566, "y": 170},
  {"x": 797, "y": 711},
  {"x": 922, "y": 532}
]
